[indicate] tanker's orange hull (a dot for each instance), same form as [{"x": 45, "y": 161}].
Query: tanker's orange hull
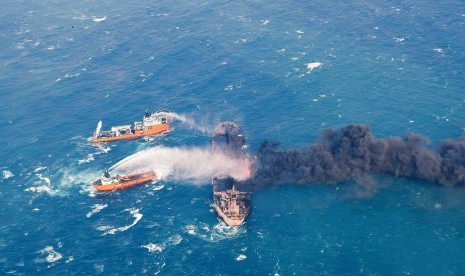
[
  {"x": 152, "y": 130},
  {"x": 125, "y": 182}
]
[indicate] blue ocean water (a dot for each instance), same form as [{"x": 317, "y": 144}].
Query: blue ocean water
[{"x": 395, "y": 65}]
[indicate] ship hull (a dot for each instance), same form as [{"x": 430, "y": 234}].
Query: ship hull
[
  {"x": 125, "y": 182},
  {"x": 152, "y": 130}
]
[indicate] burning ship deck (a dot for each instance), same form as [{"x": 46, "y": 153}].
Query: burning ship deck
[{"x": 231, "y": 198}]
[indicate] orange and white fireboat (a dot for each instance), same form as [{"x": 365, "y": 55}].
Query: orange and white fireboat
[
  {"x": 110, "y": 183},
  {"x": 152, "y": 123}
]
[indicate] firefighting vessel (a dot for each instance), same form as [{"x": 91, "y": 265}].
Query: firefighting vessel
[
  {"x": 152, "y": 123},
  {"x": 110, "y": 183},
  {"x": 231, "y": 198}
]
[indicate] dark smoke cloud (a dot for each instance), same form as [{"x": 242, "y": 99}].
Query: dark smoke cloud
[{"x": 352, "y": 152}]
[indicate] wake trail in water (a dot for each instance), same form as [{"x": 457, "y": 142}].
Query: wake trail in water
[{"x": 192, "y": 164}]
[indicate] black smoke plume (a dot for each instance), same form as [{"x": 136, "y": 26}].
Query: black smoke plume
[{"x": 352, "y": 152}]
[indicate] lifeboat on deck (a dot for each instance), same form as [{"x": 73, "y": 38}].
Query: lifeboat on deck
[
  {"x": 110, "y": 183},
  {"x": 152, "y": 123}
]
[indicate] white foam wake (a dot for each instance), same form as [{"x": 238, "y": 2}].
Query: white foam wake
[
  {"x": 110, "y": 230},
  {"x": 41, "y": 187},
  {"x": 220, "y": 231},
  {"x": 96, "y": 208}
]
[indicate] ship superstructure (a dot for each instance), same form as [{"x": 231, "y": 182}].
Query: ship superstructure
[
  {"x": 231, "y": 198},
  {"x": 151, "y": 124}
]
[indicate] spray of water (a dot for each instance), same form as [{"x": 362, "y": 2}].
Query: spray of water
[
  {"x": 191, "y": 123},
  {"x": 99, "y": 127},
  {"x": 193, "y": 164}
]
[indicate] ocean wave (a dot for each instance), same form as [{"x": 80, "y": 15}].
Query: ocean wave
[
  {"x": 152, "y": 247},
  {"x": 171, "y": 241},
  {"x": 46, "y": 179},
  {"x": 7, "y": 174},
  {"x": 96, "y": 208},
  {"x": 39, "y": 189},
  {"x": 49, "y": 255},
  {"x": 110, "y": 230},
  {"x": 42, "y": 185},
  {"x": 158, "y": 187},
  {"x": 99, "y": 19},
  {"x": 313, "y": 65},
  {"x": 38, "y": 169},
  {"x": 89, "y": 158},
  {"x": 219, "y": 232}
]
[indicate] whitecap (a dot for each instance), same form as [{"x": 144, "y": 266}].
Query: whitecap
[
  {"x": 39, "y": 189},
  {"x": 134, "y": 212},
  {"x": 50, "y": 254},
  {"x": 219, "y": 232},
  {"x": 67, "y": 76},
  {"x": 399, "y": 39},
  {"x": 191, "y": 229},
  {"x": 97, "y": 19},
  {"x": 7, "y": 174},
  {"x": 70, "y": 259},
  {"x": 89, "y": 158},
  {"x": 159, "y": 187},
  {"x": 240, "y": 40},
  {"x": 38, "y": 169},
  {"x": 313, "y": 65},
  {"x": 174, "y": 240},
  {"x": 171, "y": 241},
  {"x": 104, "y": 227},
  {"x": 241, "y": 257},
  {"x": 102, "y": 147},
  {"x": 46, "y": 179},
  {"x": 152, "y": 247},
  {"x": 96, "y": 208}
]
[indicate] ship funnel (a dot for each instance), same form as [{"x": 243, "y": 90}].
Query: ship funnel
[{"x": 99, "y": 127}]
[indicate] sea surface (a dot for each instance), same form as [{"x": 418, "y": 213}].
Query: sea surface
[{"x": 283, "y": 71}]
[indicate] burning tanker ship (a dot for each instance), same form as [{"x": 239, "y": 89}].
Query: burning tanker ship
[{"x": 231, "y": 198}]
